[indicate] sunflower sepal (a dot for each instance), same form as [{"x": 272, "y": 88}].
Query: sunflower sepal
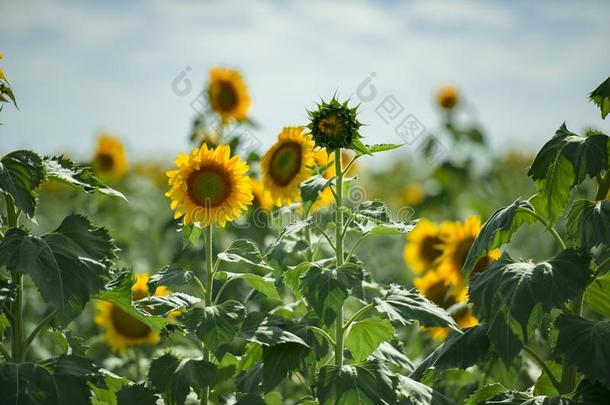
[{"x": 335, "y": 125}]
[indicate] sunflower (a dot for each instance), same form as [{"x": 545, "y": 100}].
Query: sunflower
[
  {"x": 121, "y": 330},
  {"x": 457, "y": 241},
  {"x": 287, "y": 164},
  {"x": 209, "y": 186},
  {"x": 446, "y": 289},
  {"x": 228, "y": 94},
  {"x": 334, "y": 124},
  {"x": 110, "y": 160},
  {"x": 413, "y": 194},
  {"x": 262, "y": 199},
  {"x": 447, "y": 97},
  {"x": 424, "y": 245}
]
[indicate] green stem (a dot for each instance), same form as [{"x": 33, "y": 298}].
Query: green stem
[
  {"x": 603, "y": 186},
  {"x": 221, "y": 290},
  {"x": 17, "y": 352},
  {"x": 37, "y": 330},
  {"x": 361, "y": 311},
  {"x": 209, "y": 289},
  {"x": 323, "y": 333},
  {"x": 549, "y": 227},
  {"x": 339, "y": 252},
  {"x": 308, "y": 239},
  {"x": 544, "y": 367}
]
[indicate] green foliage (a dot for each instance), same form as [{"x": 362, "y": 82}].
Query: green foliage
[
  {"x": 510, "y": 290},
  {"x": 245, "y": 252},
  {"x": 264, "y": 285},
  {"x": 365, "y": 336},
  {"x": 172, "y": 275},
  {"x": 174, "y": 377},
  {"x": 597, "y": 293},
  {"x": 311, "y": 189},
  {"x": 335, "y": 125},
  {"x": 589, "y": 223},
  {"x": 68, "y": 265},
  {"x": 601, "y": 97},
  {"x": 372, "y": 218},
  {"x": 21, "y": 172},
  {"x": 484, "y": 393},
  {"x": 136, "y": 394}
]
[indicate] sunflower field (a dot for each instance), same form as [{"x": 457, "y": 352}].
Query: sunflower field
[{"x": 298, "y": 274}]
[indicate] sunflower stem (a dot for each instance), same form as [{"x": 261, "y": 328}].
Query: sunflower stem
[
  {"x": 548, "y": 226},
  {"x": 339, "y": 252},
  {"x": 209, "y": 286},
  {"x": 17, "y": 352}
]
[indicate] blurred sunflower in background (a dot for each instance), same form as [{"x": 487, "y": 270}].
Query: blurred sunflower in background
[
  {"x": 262, "y": 198},
  {"x": 209, "y": 187},
  {"x": 447, "y": 97},
  {"x": 121, "y": 330},
  {"x": 228, "y": 94},
  {"x": 287, "y": 164},
  {"x": 413, "y": 194},
  {"x": 110, "y": 159},
  {"x": 424, "y": 246}
]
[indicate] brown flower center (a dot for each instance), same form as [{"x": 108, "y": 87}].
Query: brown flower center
[
  {"x": 223, "y": 96},
  {"x": 104, "y": 161},
  {"x": 461, "y": 251},
  {"x": 429, "y": 249},
  {"x": 440, "y": 294},
  {"x": 209, "y": 186},
  {"x": 285, "y": 163},
  {"x": 331, "y": 126},
  {"x": 126, "y": 325}
]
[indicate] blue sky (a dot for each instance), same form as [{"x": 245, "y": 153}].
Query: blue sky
[{"x": 81, "y": 67}]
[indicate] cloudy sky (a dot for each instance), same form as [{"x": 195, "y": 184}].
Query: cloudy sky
[{"x": 81, "y": 67}]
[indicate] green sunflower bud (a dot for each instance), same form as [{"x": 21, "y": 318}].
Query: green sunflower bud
[{"x": 334, "y": 125}]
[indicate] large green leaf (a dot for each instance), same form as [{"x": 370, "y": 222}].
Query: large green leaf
[
  {"x": 245, "y": 252},
  {"x": 497, "y": 231},
  {"x": 264, "y": 285},
  {"x": 174, "y": 377},
  {"x": 403, "y": 306},
  {"x": 279, "y": 360},
  {"x": 365, "y": 336},
  {"x": 136, "y": 394},
  {"x": 172, "y": 275},
  {"x": 368, "y": 383},
  {"x": 216, "y": 325},
  {"x": 589, "y": 223},
  {"x": 484, "y": 393},
  {"x": 269, "y": 330},
  {"x": 21, "y": 172},
  {"x": 60, "y": 169},
  {"x": 415, "y": 393},
  {"x": 72, "y": 376},
  {"x": 373, "y": 218},
  {"x": 524, "y": 398},
  {"x": 68, "y": 265},
  {"x": 597, "y": 295},
  {"x": 601, "y": 97},
  {"x": 586, "y": 345},
  {"x": 312, "y": 187},
  {"x": 386, "y": 352},
  {"x": 457, "y": 351},
  {"x": 325, "y": 289},
  {"x": 27, "y": 384},
  {"x": 164, "y": 305},
  {"x": 563, "y": 162},
  {"x": 289, "y": 230},
  {"x": 508, "y": 291},
  {"x": 118, "y": 292}
]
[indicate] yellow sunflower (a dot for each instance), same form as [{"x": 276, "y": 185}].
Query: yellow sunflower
[
  {"x": 110, "y": 159},
  {"x": 446, "y": 289},
  {"x": 457, "y": 241},
  {"x": 262, "y": 199},
  {"x": 447, "y": 97},
  {"x": 287, "y": 164},
  {"x": 424, "y": 245},
  {"x": 209, "y": 187},
  {"x": 228, "y": 94},
  {"x": 413, "y": 194},
  {"x": 121, "y": 330}
]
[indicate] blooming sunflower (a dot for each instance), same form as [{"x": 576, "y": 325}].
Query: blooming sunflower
[
  {"x": 228, "y": 94},
  {"x": 286, "y": 164},
  {"x": 110, "y": 159},
  {"x": 447, "y": 97},
  {"x": 121, "y": 330},
  {"x": 209, "y": 187},
  {"x": 457, "y": 241},
  {"x": 262, "y": 199},
  {"x": 424, "y": 245},
  {"x": 446, "y": 290}
]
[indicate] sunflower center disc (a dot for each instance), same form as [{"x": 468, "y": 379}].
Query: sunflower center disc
[
  {"x": 461, "y": 251},
  {"x": 285, "y": 163},
  {"x": 430, "y": 250},
  {"x": 440, "y": 294},
  {"x": 208, "y": 187},
  {"x": 128, "y": 326},
  {"x": 224, "y": 96},
  {"x": 105, "y": 161}
]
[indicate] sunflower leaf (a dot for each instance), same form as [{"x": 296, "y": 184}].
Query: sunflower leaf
[
  {"x": 589, "y": 223},
  {"x": 597, "y": 295},
  {"x": 172, "y": 275},
  {"x": 270, "y": 330},
  {"x": 21, "y": 172},
  {"x": 264, "y": 285},
  {"x": 484, "y": 393},
  {"x": 497, "y": 231},
  {"x": 415, "y": 393},
  {"x": 403, "y": 306},
  {"x": 279, "y": 360},
  {"x": 311, "y": 189},
  {"x": 586, "y": 345},
  {"x": 562, "y": 163},
  {"x": 380, "y": 147},
  {"x": 59, "y": 168},
  {"x": 289, "y": 230},
  {"x": 174, "y": 377},
  {"x": 365, "y": 336},
  {"x": 373, "y": 218},
  {"x": 164, "y": 305},
  {"x": 246, "y": 252},
  {"x": 136, "y": 394},
  {"x": 508, "y": 291},
  {"x": 68, "y": 265},
  {"x": 601, "y": 97}
]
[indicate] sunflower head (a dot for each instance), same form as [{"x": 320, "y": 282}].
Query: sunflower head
[
  {"x": 334, "y": 125},
  {"x": 110, "y": 159},
  {"x": 287, "y": 164},
  {"x": 228, "y": 94},
  {"x": 424, "y": 246},
  {"x": 121, "y": 330},
  {"x": 262, "y": 198},
  {"x": 209, "y": 187},
  {"x": 413, "y": 194},
  {"x": 447, "y": 97}
]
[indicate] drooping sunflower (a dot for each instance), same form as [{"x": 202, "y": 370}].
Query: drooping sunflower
[
  {"x": 262, "y": 199},
  {"x": 110, "y": 159},
  {"x": 228, "y": 94},
  {"x": 121, "y": 330},
  {"x": 209, "y": 187},
  {"x": 458, "y": 240},
  {"x": 424, "y": 245},
  {"x": 286, "y": 164},
  {"x": 446, "y": 289},
  {"x": 447, "y": 97}
]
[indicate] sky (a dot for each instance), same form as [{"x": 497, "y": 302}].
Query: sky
[{"x": 78, "y": 68}]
